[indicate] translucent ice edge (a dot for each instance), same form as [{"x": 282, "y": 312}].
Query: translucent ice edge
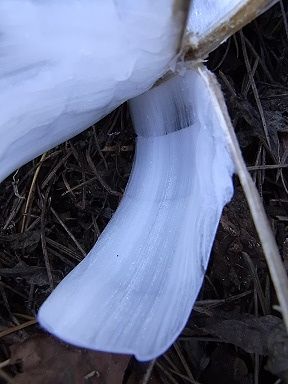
[
  {"x": 64, "y": 64},
  {"x": 135, "y": 290},
  {"x": 206, "y": 15}
]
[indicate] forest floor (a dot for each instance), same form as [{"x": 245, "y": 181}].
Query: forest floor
[{"x": 54, "y": 208}]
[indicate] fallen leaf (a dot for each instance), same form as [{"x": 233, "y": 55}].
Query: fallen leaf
[
  {"x": 250, "y": 334},
  {"x": 21, "y": 269},
  {"x": 22, "y": 241},
  {"x": 45, "y": 360},
  {"x": 265, "y": 335},
  {"x": 224, "y": 359},
  {"x": 278, "y": 352}
]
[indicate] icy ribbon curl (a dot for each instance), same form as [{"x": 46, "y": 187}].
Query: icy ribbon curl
[
  {"x": 65, "y": 64},
  {"x": 135, "y": 290},
  {"x": 211, "y": 22}
]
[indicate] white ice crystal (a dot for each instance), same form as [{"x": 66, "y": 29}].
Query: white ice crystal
[
  {"x": 134, "y": 292},
  {"x": 64, "y": 64}
]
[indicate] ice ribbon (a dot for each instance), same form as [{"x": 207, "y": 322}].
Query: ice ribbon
[
  {"x": 211, "y": 22},
  {"x": 135, "y": 290},
  {"x": 64, "y": 64}
]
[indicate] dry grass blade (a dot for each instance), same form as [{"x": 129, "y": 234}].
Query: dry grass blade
[
  {"x": 68, "y": 232},
  {"x": 266, "y": 166},
  {"x": 16, "y": 208},
  {"x": 284, "y": 17},
  {"x": 17, "y": 328},
  {"x": 55, "y": 169},
  {"x": 99, "y": 178},
  {"x": 167, "y": 373},
  {"x": 266, "y": 236},
  {"x": 184, "y": 363},
  {"x": 5, "y": 363},
  {"x": 254, "y": 88},
  {"x": 273, "y": 258},
  {"x": 31, "y": 194},
  {"x": 13, "y": 290},
  {"x": 72, "y": 189},
  {"x": 259, "y": 290},
  {"x": 148, "y": 373},
  {"x": 43, "y": 240},
  {"x": 6, "y": 377},
  {"x": 261, "y": 61}
]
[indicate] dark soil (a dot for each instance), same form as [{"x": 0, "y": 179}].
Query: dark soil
[{"x": 53, "y": 210}]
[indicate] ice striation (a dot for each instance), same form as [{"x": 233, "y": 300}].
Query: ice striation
[
  {"x": 64, "y": 64},
  {"x": 135, "y": 290}
]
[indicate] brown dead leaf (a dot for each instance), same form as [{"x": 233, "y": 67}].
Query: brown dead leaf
[
  {"x": 28, "y": 239},
  {"x": 250, "y": 334},
  {"x": 278, "y": 352},
  {"x": 225, "y": 359},
  {"x": 265, "y": 335},
  {"x": 21, "y": 269},
  {"x": 141, "y": 372},
  {"x": 45, "y": 360}
]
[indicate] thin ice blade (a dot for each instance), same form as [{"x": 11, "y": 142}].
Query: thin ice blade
[{"x": 135, "y": 290}]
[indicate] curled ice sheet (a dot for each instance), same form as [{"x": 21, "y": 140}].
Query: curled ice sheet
[
  {"x": 134, "y": 292},
  {"x": 64, "y": 64},
  {"x": 207, "y": 14},
  {"x": 211, "y": 22}
]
